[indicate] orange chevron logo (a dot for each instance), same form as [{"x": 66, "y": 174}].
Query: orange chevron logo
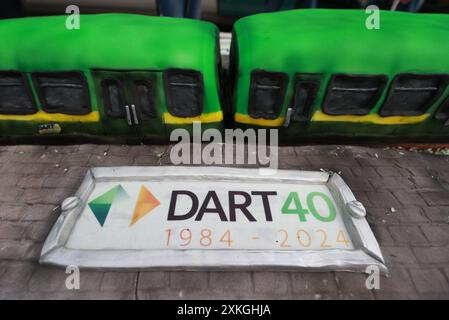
[{"x": 145, "y": 204}]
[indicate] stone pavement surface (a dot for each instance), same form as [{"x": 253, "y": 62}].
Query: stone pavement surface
[{"x": 406, "y": 195}]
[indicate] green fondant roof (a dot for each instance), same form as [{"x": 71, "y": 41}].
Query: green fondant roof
[
  {"x": 331, "y": 41},
  {"x": 112, "y": 41}
]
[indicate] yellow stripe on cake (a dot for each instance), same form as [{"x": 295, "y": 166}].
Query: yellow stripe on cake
[
  {"x": 42, "y": 116},
  {"x": 370, "y": 118},
  {"x": 204, "y": 118},
  {"x": 246, "y": 119}
]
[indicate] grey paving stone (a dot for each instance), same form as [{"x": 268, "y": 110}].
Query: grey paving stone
[
  {"x": 381, "y": 216},
  {"x": 62, "y": 149},
  {"x": 359, "y": 184},
  {"x": 365, "y": 295},
  {"x": 416, "y": 171},
  {"x": 57, "y": 196},
  {"x": 107, "y": 161},
  {"x": 383, "y": 184},
  {"x": 399, "y": 281},
  {"x": 436, "y": 198},
  {"x": 276, "y": 283},
  {"x": 410, "y": 215},
  {"x": 408, "y": 235},
  {"x": 90, "y": 280},
  {"x": 314, "y": 283},
  {"x": 382, "y": 295},
  {"x": 365, "y": 172},
  {"x": 30, "y": 182},
  {"x": 437, "y": 214},
  {"x": 14, "y": 250},
  {"x": 398, "y": 255},
  {"x": 153, "y": 280},
  {"x": 37, "y": 231},
  {"x": 34, "y": 251},
  {"x": 12, "y": 212},
  {"x": 233, "y": 281},
  {"x": 79, "y": 295},
  {"x": 119, "y": 281},
  {"x": 46, "y": 279},
  {"x": 432, "y": 254},
  {"x": 10, "y": 194},
  {"x": 189, "y": 280},
  {"x": 16, "y": 276},
  {"x": 10, "y": 179},
  {"x": 382, "y": 235},
  {"x": 349, "y": 282},
  {"x": 382, "y": 199},
  {"x": 64, "y": 181},
  {"x": 93, "y": 149},
  {"x": 362, "y": 196},
  {"x": 436, "y": 233},
  {"x": 429, "y": 281},
  {"x": 12, "y": 230},
  {"x": 29, "y": 148},
  {"x": 36, "y": 196},
  {"x": 388, "y": 172},
  {"x": 48, "y": 158},
  {"x": 376, "y": 162},
  {"x": 77, "y": 159},
  {"x": 409, "y": 198},
  {"x": 145, "y": 161},
  {"x": 175, "y": 294},
  {"x": 38, "y": 212},
  {"x": 426, "y": 183}
]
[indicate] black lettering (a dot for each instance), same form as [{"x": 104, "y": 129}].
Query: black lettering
[
  {"x": 266, "y": 202},
  {"x": 211, "y": 195},
  {"x": 242, "y": 206},
  {"x": 171, "y": 211}
]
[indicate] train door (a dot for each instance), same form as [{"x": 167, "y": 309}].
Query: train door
[{"x": 130, "y": 103}]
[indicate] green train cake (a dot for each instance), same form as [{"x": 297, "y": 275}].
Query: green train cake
[
  {"x": 321, "y": 74},
  {"x": 118, "y": 75},
  {"x": 313, "y": 74}
]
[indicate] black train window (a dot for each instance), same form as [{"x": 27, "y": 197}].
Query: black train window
[
  {"x": 15, "y": 94},
  {"x": 144, "y": 98},
  {"x": 443, "y": 111},
  {"x": 267, "y": 94},
  {"x": 184, "y": 92},
  {"x": 412, "y": 94},
  {"x": 63, "y": 92},
  {"x": 353, "y": 94},
  {"x": 306, "y": 90},
  {"x": 113, "y": 99}
]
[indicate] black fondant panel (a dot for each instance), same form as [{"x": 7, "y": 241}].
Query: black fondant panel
[
  {"x": 353, "y": 94},
  {"x": 15, "y": 95},
  {"x": 184, "y": 91},
  {"x": 113, "y": 98},
  {"x": 305, "y": 95},
  {"x": 63, "y": 92},
  {"x": 144, "y": 98},
  {"x": 412, "y": 94},
  {"x": 267, "y": 94}
]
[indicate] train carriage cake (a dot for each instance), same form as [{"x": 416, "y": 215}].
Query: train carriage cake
[
  {"x": 321, "y": 74},
  {"x": 118, "y": 75},
  {"x": 317, "y": 75}
]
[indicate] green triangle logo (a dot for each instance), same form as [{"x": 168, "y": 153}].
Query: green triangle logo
[
  {"x": 100, "y": 211},
  {"x": 102, "y": 205}
]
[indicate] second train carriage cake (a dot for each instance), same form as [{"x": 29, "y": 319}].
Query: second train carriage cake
[
  {"x": 118, "y": 75},
  {"x": 321, "y": 74}
]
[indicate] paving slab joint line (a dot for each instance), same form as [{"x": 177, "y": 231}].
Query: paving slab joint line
[{"x": 136, "y": 287}]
